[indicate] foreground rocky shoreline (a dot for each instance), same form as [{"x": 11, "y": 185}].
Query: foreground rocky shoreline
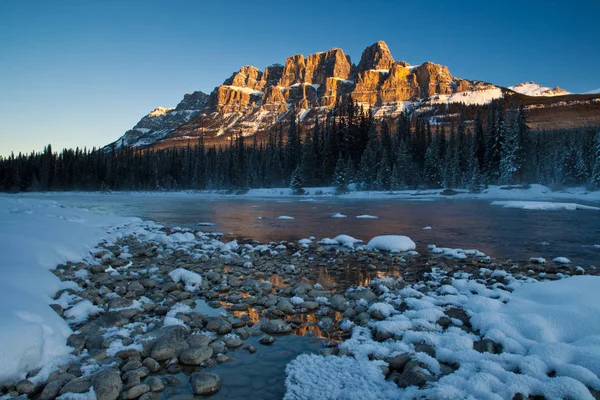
[{"x": 156, "y": 310}]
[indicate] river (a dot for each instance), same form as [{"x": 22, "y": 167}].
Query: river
[{"x": 469, "y": 224}]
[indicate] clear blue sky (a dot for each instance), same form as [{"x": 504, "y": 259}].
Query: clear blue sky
[{"x": 80, "y": 73}]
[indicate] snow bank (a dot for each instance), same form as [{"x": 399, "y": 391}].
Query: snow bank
[
  {"x": 543, "y": 205},
  {"x": 549, "y": 333},
  {"x": 393, "y": 243},
  {"x": 343, "y": 378},
  {"x": 35, "y": 236},
  {"x": 285, "y": 218},
  {"x": 338, "y": 215}
]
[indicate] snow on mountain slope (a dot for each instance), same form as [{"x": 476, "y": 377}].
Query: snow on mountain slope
[
  {"x": 162, "y": 121},
  {"x": 473, "y": 97},
  {"x": 596, "y": 91},
  {"x": 533, "y": 89}
]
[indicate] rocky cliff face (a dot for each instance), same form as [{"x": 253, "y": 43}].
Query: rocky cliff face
[{"x": 253, "y": 101}]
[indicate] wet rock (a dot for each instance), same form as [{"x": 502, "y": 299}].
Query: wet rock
[
  {"x": 135, "y": 375},
  {"x": 155, "y": 384},
  {"x": 128, "y": 354},
  {"x": 174, "y": 369},
  {"x": 51, "y": 390},
  {"x": 199, "y": 340},
  {"x": 310, "y": 305},
  {"x": 130, "y": 366},
  {"x": 25, "y": 386},
  {"x": 94, "y": 341},
  {"x": 196, "y": 355},
  {"x": 266, "y": 340},
  {"x": 107, "y": 384},
  {"x": 232, "y": 341},
  {"x": 238, "y": 323},
  {"x": 61, "y": 377},
  {"x": 77, "y": 341},
  {"x": 136, "y": 391},
  {"x": 326, "y": 324},
  {"x": 204, "y": 383},
  {"x": 149, "y": 396},
  {"x": 275, "y": 326},
  {"x": 243, "y": 333},
  {"x": 239, "y": 307},
  {"x": 167, "y": 348},
  {"x": 218, "y": 346},
  {"x": 218, "y": 325},
  {"x": 172, "y": 380},
  {"x": 223, "y": 358},
  {"x": 77, "y": 385},
  {"x": 151, "y": 364}
]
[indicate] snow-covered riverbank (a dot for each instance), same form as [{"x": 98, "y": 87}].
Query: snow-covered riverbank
[
  {"x": 533, "y": 192},
  {"x": 35, "y": 237},
  {"x": 445, "y": 324}
]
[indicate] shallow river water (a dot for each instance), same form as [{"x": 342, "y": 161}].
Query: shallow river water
[{"x": 498, "y": 232}]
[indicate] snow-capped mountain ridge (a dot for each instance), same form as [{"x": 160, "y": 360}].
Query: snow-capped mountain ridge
[
  {"x": 254, "y": 101},
  {"x": 533, "y": 89}
]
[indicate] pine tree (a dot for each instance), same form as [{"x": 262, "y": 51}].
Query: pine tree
[
  {"x": 293, "y": 148},
  {"x": 369, "y": 163},
  {"x": 451, "y": 161},
  {"x": 432, "y": 172},
  {"x": 297, "y": 182},
  {"x": 480, "y": 142},
  {"x": 497, "y": 132},
  {"x": 596, "y": 165},
  {"x": 340, "y": 179},
  {"x": 509, "y": 163},
  {"x": 382, "y": 182},
  {"x": 523, "y": 163},
  {"x": 403, "y": 169},
  {"x": 350, "y": 171},
  {"x": 309, "y": 165},
  {"x": 462, "y": 150}
]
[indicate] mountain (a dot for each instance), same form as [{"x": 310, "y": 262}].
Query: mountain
[
  {"x": 533, "y": 89},
  {"x": 159, "y": 123},
  {"x": 597, "y": 91},
  {"x": 255, "y": 102}
]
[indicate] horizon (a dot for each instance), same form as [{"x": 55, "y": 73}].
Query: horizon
[{"x": 80, "y": 75}]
